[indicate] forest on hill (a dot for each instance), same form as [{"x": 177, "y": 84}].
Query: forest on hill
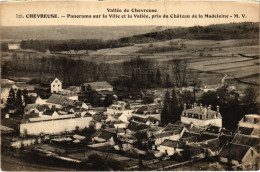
[{"x": 245, "y": 30}]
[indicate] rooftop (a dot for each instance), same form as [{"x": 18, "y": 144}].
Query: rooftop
[
  {"x": 234, "y": 151},
  {"x": 173, "y": 143},
  {"x": 98, "y": 85},
  {"x": 59, "y": 99},
  {"x": 246, "y": 140}
]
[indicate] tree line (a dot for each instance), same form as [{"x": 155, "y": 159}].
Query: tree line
[
  {"x": 73, "y": 44},
  {"x": 233, "y": 107}
]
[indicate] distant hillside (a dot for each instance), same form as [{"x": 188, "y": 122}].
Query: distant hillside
[
  {"x": 73, "y": 32},
  {"x": 245, "y": 30}
]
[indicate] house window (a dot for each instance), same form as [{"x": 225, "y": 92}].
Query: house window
[
  {"x": 58, "y": 85},
  {"x": 53, "y": 85}
]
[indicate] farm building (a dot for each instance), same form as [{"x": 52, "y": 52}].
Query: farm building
[{"x": 97, "y": 86}]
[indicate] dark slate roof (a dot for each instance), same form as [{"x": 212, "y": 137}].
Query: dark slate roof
[
  {"x": 188, "y": 134},
  {"x": 197, "y": 130},
  {"x": 234, "y": 151},
  {"x": 246, "y": 140},
  {"x": 57, "y": 99},
  {"x": 213, "y": 145},
  {"x": 106, "y": 134},
  {"x": 246, "y": 131},
  {"x": 133, "y": 126},
  {"x": 204, "y": 137},
  {"x": 174, "y": 128},
  {"x": 225, "y": 139},
  {"x": 191, "y": 139},
  {"x": 173, "y": 143},
  {"x": 48, "y": 112},
  {"x": 139, "y": 119},
  {"x": 194, "y": 150},
  {"x": 213, "y": 129},
  {"x": 161, "y": 135},
  {"x": 42, "y": 108}
]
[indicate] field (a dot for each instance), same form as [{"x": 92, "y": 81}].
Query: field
[{"x": 239, "y": 59}]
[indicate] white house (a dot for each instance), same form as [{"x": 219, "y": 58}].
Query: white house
[
  {"x": 56, "y": 86},
  {"x": 201, "y": 116},
  {"x": 170, "y": 147},
  {"x": 250, "y": 121}
]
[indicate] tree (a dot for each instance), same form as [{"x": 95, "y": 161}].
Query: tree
[
  {"x": 10, "y": 104},
  {"x": 251, "y": 94},
  {"x": 108, "y": 100},
  {"x": 166, "y": 109},
  {"x": 175, "y": 109},
  {"x": 167, "y": 81},
  {"x": 158, "y": 78},
  {"x": 19, "y": 102},
  {"x": 25, "y": 97}
]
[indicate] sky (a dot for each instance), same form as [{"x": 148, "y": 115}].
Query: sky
[{"x": 10, "y": 10}]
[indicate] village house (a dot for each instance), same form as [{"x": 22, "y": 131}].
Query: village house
[
  {"x": 134, "y": 127},
  {"x": 59, "y": 100},
  {"x": 160, "y": 137},
  {"x": 253, "y": 141},
  {"x": 56, "y": 86},
  {"x": 177, "y": 130},
  {"x": 201, "y": 116},
  {"x": 119, "y": 107},
  {"x": 250, "y": 121},
  {"x": 238, "y": 155},
  {"x": 170, "y": 147},
  {"x": 212, "y": 147},
  {"x": 97, "y": 86}
]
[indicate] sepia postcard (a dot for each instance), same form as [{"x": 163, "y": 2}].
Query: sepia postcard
[{"x": 130, "y": 86}]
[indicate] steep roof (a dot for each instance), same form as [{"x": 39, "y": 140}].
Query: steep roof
[
  {"x": 173, "y": 143},
  {"x": 174, "y": 128},
  {"x": 213, "y": 145},
  {"x": 104, "y": 134},
  {"x": 245, "y": 131},
  {"x": 213, "y": 129},
  {"x": 162, "y": 135},
  {"x": 234, "y": 151},
  {"x": 246, "y": 140},
  {"x": 204, "y": 137},
  {"x": 98, "y": 85},
  {"x": 188, "y": 134},
  {"x": 59, "y": 99},
  {"x": 133, "y": 126}
]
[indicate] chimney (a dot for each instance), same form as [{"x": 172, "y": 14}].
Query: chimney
[
  {"x": 192, "y": 106},
  {"x": 195, "y": 104},
  {"x": 200, "y": 107},
  {"x": 184, "y": 106},
  {"x": 209, "y": 107}
]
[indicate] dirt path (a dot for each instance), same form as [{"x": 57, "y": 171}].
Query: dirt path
[{"x": 223, "y": 80}]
